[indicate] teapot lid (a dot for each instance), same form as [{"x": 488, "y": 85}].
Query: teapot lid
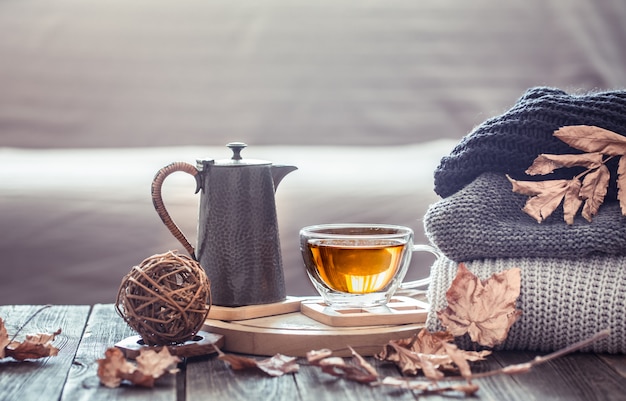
[{"x": 237, "y": 160}]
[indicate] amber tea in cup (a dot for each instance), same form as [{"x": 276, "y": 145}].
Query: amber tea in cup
[{"x": 359, "y": 265}]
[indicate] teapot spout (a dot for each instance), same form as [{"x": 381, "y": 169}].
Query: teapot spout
[{"x": 279, "y": 172}]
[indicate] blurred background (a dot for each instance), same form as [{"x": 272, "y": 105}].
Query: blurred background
[{"x": 364, "y": 97}]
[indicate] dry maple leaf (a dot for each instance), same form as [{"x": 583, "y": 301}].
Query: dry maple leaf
[
  {"x": 151, "y": 365},
  {"x": 484, "y": 309},
  {"x": 35, "y": 346},
  {"x": 277, "y": 365}
]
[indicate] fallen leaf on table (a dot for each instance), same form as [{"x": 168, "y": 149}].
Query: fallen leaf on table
[
  {"x": 408, "y": 353},
  {"x": 484, "y": 309},
  {"x": 35, "y": 346},
  {"x": 277, "y": 365},
  {"x": 151, "y": 365},
  {"x": 359, "y": 370}
]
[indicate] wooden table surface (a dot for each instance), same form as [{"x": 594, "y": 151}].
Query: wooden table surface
[{"x": 89, "y": 330}]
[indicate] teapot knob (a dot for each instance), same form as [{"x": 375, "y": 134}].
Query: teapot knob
[{"x": 236, "y": 147}]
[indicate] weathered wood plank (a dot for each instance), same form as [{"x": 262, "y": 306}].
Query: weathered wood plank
[
  {"x": 32, "y": 380},
  {"x": 212, "y": 379},
  {"x": 315, "y": 385},
  {"x": 577, "y": 376},
  {"x": 617, "y": 362},
  {"x": 103, "y": 330}
]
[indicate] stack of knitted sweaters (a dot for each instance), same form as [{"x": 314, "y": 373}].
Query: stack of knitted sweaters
[{"x": 573, "y": 277}]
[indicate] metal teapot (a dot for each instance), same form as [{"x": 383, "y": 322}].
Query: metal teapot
[{"x": 238, "y": 243}]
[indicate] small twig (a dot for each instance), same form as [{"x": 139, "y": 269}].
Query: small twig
[{"x": 525, "y": 367}]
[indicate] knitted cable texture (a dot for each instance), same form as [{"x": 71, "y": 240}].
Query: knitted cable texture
[
  {"x": 485, "y": 220},
  {"x": 510, "y": 142},
  {"x": 562, "y": 301}
]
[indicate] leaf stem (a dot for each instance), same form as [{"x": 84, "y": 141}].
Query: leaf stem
[{"x": 29, "y": 320}]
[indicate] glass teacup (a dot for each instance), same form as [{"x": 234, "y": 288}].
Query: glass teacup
[{"x": 359, "y": 265}]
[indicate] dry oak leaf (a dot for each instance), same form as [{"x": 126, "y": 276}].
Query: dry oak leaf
[
  {"x": 484, "y": 309},
  {"x": 151, "y": 365},
  {"x": 275, "y": 366},
  {"x": 35, "y": 346}
]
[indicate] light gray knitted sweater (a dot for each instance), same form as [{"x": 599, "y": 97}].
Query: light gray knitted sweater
[{"x": 562, "y": 301}]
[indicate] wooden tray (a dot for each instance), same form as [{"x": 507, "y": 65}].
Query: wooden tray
[
  {"x": 399, "y": 310},
  {"x": 295, "y": 334},
  {"x": 291, "y": 304}
]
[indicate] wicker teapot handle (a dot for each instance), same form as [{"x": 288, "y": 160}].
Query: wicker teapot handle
[{"x": 159, "y": 206}]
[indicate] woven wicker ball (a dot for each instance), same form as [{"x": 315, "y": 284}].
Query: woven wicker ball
[{"x": 165, "y": 299}]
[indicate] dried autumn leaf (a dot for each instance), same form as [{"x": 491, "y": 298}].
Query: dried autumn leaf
[
  {"x": 404, "y": 352},
  {"x": 35, "y": 346},
  {"x": 459, "y": 359},
  {"x": 547, "y": 163},
  {"x": 157, "y": 363},
  {"x": 338, "y": 367},
  {"x": 484, "y": 309},
  {"x": 277, "y": 365},
  {"x": 429, "y": 367},
  {"x": 362, "y": 363},
  {"x": 593, "y": 191},
  {"x": 621, "y": 184},
  {"x": 4, "y": 338},
  {"x": 151, "y": 365},
  {"x": 237, "y": 362},
  {"x": 546, "y": 196},
  {"x": 113, "y": 367},
  {"x": 359, "y": 370},
  {"x": 572, "y": 201},
  {"x": 592, "y": 139},
  {"x": 532, "y": 188},
  {"x": 317, "y": 355}
]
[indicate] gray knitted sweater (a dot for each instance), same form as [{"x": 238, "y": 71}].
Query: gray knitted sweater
[
  {"x": 562, "y": 301},
  {"x": 485, "y": 220}
]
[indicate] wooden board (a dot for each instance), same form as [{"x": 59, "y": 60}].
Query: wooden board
[
  {"x": 399, "y": 310},
  {"x": 295, "y": 334}
]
